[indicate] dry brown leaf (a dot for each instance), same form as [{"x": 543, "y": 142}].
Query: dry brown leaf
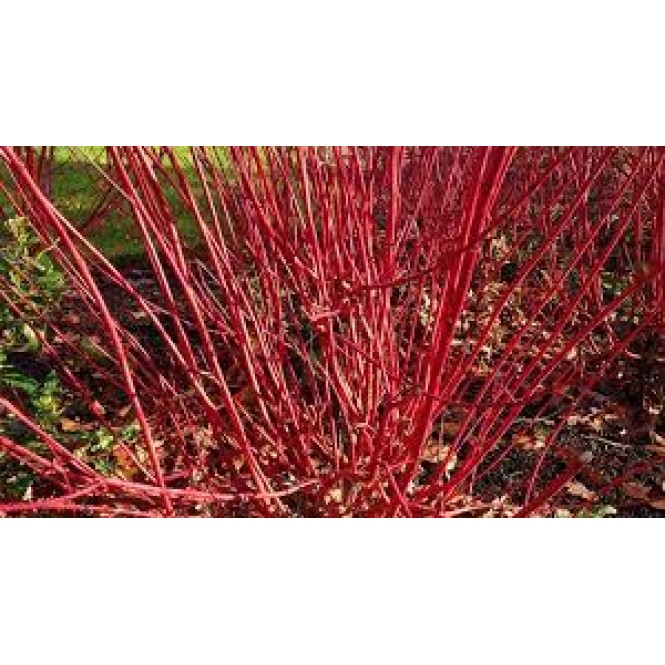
[
  {"x": 335, "y": 495},
  {"x": 597, "y": 423},
  {"x": 436, "y": 453},
  {"x": 125, "y": 411},
  {"x": 70, "y": 318},
  {"x": 576, "y": 488},
  {"x": 68, "y": 425},
  {"x": 636, "y": 491},
  {"x": 658, "y": 504},
  {"x": 614, "y": 414},
  {"x": 125, "y": 465},
  {"x": 450, "y": 429},
  {"x": 528, "y": 441},
  {"x": 523, "y": 440},
  {"x": 203, "y": 437},
  {"x": 657, "y": 439},
  {"x": 97, "y": 409}
]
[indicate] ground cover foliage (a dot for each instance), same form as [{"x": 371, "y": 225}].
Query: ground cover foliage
[{"x": 359, "y": 331}]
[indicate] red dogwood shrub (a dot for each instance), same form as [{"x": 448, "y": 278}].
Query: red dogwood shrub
[{"x": 370, "y": 331}]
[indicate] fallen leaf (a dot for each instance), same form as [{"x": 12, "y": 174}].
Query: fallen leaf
[
  {"x": 436, "y": 453},
  {"x": 71, "y": 319},
  {"x": 203, "y": 437},
  {"x": 658, "y": 504},
  {"x": 524, "y": 440},
  {"x": 450, "y": 429},
  {"x": 335, "y": 495},
  {"x": 597, "y": 424},
  {"x": 68, "y": 425},
  {"x": 657, "y": 439},
  {"x": 636, "y": 491},
  {"x": 125, "y": 411},
  {"x": 125, "y": 465},
  {"x": 97, "y": 409},
  {"x": 576, "y": 488},
  {"x": 527, "y": 441}
]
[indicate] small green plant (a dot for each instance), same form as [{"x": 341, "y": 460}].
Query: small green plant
[
  {"x": 599, "y": 511},
  {"x": 33, "y": 285},
  {"x": 30, "y": 281},
  {"x": 29, "y": 268}
]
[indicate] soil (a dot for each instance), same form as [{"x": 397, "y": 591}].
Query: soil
[{"x": 622, "y": 423}]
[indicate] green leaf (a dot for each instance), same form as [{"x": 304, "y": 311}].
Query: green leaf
[
  {"x": 14, "y": 379},
  {"x": 32, "y": 341}
]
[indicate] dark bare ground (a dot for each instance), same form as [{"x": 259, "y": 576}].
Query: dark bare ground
[{"x": 622, "y": 423}]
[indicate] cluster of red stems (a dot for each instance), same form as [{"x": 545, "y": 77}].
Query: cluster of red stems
[{"x": 357, "y": 331}]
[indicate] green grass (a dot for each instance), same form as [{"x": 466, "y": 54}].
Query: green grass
[{"x": 76, "y": 192}]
